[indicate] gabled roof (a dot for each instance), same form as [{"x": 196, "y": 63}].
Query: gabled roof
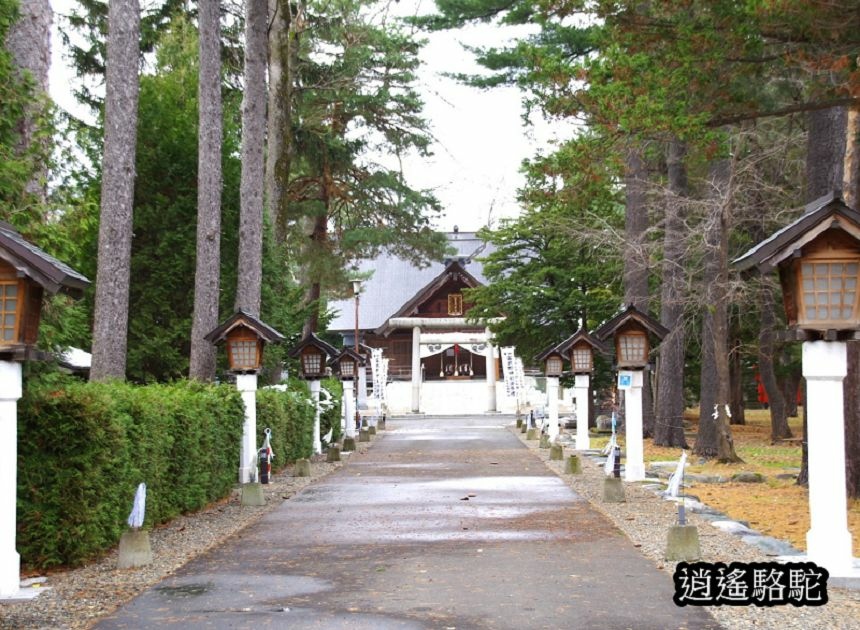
[
  {"x": 820, "y": 215},
  {"x": 241, "y": 318},
  {"x": 348, "y": 352},
  {"x": 394, "y": 281},
  {"x": 453, "y": 272},
  {"x": 42, "y": 268},
  {"x": 543, "y": 356},
  {"x": 582, "y": 335},
  {"x": 631, "y": 313},
  {"x": 313, "y": 340}
]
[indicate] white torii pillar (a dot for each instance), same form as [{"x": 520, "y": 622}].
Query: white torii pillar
[
  {"x": 315, "y": 394},
  {"x": 828, "y": 541},
  {"x": 580, "y": 394},
  {"x": 247, "y": 386},
  {"x": 416, "y": 369},
  {"x": 634, "y": 464},
  {"x": 491, "y": 374},
  {"x": 10, "y": 392},
  {"x": 552, "y": 407}
]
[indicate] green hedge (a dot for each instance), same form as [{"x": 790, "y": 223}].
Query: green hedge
[
  {"x": 84, "y": 447},
  {"x": 290, "y": 416}
]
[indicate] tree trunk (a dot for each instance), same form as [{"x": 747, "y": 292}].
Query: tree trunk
[
  {"x": 250, "y": 270},
  {"x": 110, "y": 317},
  {"x": 312, "y": 296},
  {"x": 714, "y": 328},
  {"x": 825, "y": 167},
  {"x": 207, "y": 275},
  {"x": 851, "y": 192},
  {"x": 789, "y": 384},
  {"x": 278, "y": 154},
  {"x": 636, "y": 259},
  {"x": 736, "y": 377},
  {"x": 29, "y": 43},
  {"x": 766, "y": 366},
  {"x": 669, "y": 427}
]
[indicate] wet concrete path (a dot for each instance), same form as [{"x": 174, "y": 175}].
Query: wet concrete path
[{"x": 444, "y": 523}]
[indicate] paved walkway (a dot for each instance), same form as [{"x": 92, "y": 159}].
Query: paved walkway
[{"x": 444, "y": 523}]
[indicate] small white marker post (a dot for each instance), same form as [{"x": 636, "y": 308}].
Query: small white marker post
[
  {"x": 10, "y": 393},
  {"x": 348, "y": 410}
]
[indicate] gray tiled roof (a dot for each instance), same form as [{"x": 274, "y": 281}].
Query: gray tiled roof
[
  {"x": 395, "y": 281},
  {"x": 52, "y": 274}
]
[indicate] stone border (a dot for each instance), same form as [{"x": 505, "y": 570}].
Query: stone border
[{"x": 645, "y": 519}]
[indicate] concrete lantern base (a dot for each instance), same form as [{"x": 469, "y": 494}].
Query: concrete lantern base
[
  {"x": 613, "y": 490},
  {"x": 532, "y": 434},
  {"x": 556, "y": 452},
  {"x": 348, "y": 444},
  {"x": 134, "y": 549},
  {"x": 544, "y": 441},
  {"x": 523, "y": 428},
  {"x": 519, "y": 422},
  {"x": 252, "y": 494},
  {"x": 302, "y": 468},
  {"x": 381, "y": 424},
  {"x": 371, "y": 430},
  {"x": 364, "y": 435},
  {"x": 682, "y": 543},
  {"x": 573, "y": 466},
  {"x": 333, "y": 454}
]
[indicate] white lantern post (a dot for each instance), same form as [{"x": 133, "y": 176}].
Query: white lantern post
[
  {"x": 553, "y": 365},
  {"x": 10, "y": 392},
  {"x": 580, "y": 348},
  {"x": 631, "y": 329},
  {"x": 818, "y": 259}
]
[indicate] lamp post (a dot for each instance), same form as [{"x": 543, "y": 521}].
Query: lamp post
[
  {"x": 245, "y": 336},
  {"x": 361, "y": 381},
  {"x": 631, "y": 329},
  {"x": 26, "y": 274},
  {"x": 313, "y": 354},
  {"x": 553, "y": 364},
  {"x": 818, "y": 259},
  {"x": 581, "y": 347},
  {"x": 348, "y": 363}
]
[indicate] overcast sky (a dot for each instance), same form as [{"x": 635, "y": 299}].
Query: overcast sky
[{"x": 480, "y": 138}]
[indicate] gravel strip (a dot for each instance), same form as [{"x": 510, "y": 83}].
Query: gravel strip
[
  {"x": 77, "y": 598},
  {"x": 645, "y": 519}
]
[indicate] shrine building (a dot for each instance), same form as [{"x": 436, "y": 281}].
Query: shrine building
[{"x": 439, "y": 362}]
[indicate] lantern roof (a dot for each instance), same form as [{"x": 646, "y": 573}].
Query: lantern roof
[
  {"x": 39, "y": 266},
  {"x": 628, "y": 315},
  {"x": 241, "y": 318},
  {"x": 825, "y": 213},
  {"x": 546, "y": 354},
  {"x": 312, "y": 340},
  {"x": 348, "y": 353},
  {"x": 579, "y": 336}
]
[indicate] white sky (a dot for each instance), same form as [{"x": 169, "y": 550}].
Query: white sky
[{"x": 480, "y": 137}]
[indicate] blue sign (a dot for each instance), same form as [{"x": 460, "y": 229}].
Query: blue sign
[{"x": 625, "y": 380}]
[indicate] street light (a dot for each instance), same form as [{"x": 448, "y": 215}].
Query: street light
[{"x": 818, "y": 259}]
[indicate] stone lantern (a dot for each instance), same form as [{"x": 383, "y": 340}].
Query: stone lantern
[
  {"x": 245, "y": 336},
  {"x": 818, "y": 260},
  {"x": 314, "y": 354},
  {"x": 348, "y": 363},
  {"x": 580, "y": 348},
  {"x": 631, "y": 330},
  {"x": 553, "y": 361},
  {"x": 26, "y": 274}
]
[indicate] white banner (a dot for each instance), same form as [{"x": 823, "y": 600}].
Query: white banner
[{"x": 379, "y": 371}]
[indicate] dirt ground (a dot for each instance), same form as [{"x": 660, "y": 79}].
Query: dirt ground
[{"x": 777, "y": 507}]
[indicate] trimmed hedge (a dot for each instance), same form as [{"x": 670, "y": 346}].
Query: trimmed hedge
[{"x": 84, "y": 447}]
